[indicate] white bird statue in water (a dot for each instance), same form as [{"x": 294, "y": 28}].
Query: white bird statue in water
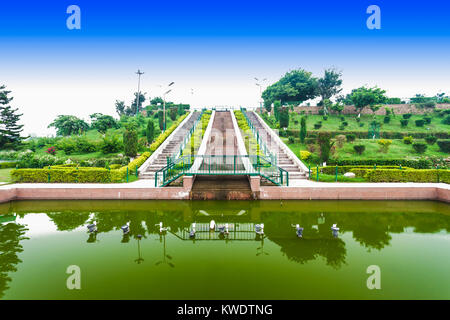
[
  {"x": 92, "y": 227},
  {"x": 161, "y": 228},
  {"x": 192, "y": 232},
  {"x": 335, "y": 230},
  {"x": 259, "y": 228},
  {"x": 298, "y": 230},
  {"x": 126, "y": 228}
]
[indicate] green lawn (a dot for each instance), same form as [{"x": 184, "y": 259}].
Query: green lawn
[
  {"x": 397, "y": 150},
  {"x": 334, "y": 121},
  {"x": 5, "y": 175}
]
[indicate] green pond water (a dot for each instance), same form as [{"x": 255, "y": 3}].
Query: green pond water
[{"x": 408, "y": 240}]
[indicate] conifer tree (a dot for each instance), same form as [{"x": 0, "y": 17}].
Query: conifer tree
[{"x": 9, "y": 117}]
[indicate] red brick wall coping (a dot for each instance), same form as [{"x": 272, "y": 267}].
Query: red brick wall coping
[{"x": 322, "y": 191}]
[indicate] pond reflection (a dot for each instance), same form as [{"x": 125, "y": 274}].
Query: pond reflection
[{"x": 301, "y": 232}]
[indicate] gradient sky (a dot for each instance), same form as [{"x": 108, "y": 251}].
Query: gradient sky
[{"x": 216, "y": 48}]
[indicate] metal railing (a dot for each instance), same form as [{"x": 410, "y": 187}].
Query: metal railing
[
  {"x": 186, "y": 140},
  {"x": 262, "y": 144},
  {"x": 222, "y": 165}
]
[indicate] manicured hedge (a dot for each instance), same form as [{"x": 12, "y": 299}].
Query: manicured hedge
[
  {"x": 359, "y": 171},
  {"x": 163, "y": 136},
  {"x": 69, "y": 173},
  {"x": 387, "y": 174},
  {"x": 383, "y": 134},
  {"x": 119, "y": 175},
  {"x": 416, "y": 164},
  {"x": 6, "y": 165},
  {"x": 81, "y": 175},
  {"x": 390, "y": 175}
]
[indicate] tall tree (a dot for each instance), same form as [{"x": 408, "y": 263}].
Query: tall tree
[
  {"x": 136, "y": 105},
  {"x": 302, "y": 129},
  {"x": 66, "y": 125},
  {"x": 130, "y": 140},
  {"x": 102, "y": 122},
  {"x": 150, "y": 131},
  {"x": 120, "y": 107},
  {"x": 9, "y": 128},
  {"x": 295, "y": 86},
  {"x": 363, "y": 97},
  {"x": 330, "y": 84},
  {"x": 284, "y": 117}
]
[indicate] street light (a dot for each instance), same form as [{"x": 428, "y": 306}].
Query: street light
[
  {"x": 138, "y": 98},
  {"x": 259, "y": 84},
  {"x": 164, "y": 105}
]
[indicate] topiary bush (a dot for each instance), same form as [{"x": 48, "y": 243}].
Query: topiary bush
[
  {"x": 408, "y": 140},
  {"x": 444, "y": 145},
  {"x": 404, "y": 122},
  {"x": 427, "y": 119},
  {"x": 420, "y": 123},
  {"x": 384, "y": 145},
  {"x": 350, "y": 137},
  {"x": 420, "y": 147},
  {"x": 387, "y": 119},
  {"x": 430, "y": 140},
  {"x": 317, "y": 125},
  {"x": 407, "y": 115},
  {"x": 359, "y": 148},
  {"x": 446, "y": 120}
]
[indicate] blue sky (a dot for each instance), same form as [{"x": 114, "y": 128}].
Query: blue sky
[{"x": 214, "y": 47}]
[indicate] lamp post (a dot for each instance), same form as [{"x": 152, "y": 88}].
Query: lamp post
[
  {"x": 259, "y": 84},
  {"x": 138, "y": 98},
  {"x": 164, "y": 106}
]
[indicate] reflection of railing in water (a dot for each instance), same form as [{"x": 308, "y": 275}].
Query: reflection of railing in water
[{"x": 237, "y": 231}]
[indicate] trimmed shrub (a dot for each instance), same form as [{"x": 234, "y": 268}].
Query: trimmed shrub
[
  {"x": 420, "y": 123},
  {"x": 7, "y": 165},
  {"x": 444, "y": 145},
  {"x": 416, "y": 164},
  {"x": 384, "y": 145},
  {"x": 325, "y": 145},
  {"x": 302, "y": 129},
  {"x": 304, "y": 155},
  {"x": 420, "y": 147},
  {"x": 359, "y": 148},
  {"x": 387, "y": 119},
  {"x": 407, "y": 115},
  {"x": 446, "y": 120},
  {"x": 390, "y": 175},
  {"x": 111, "y": 144},
  {"x": 317, "y": 125},
  {"x": 325, "y": 118},
  {"x": 430, "y": 140},
  {"x": 350, "y": 137},
  {"x": 408, "y": 140},
  {"x": 340, "y": 141},
  {"x": 291, "y": 139},
  {"x": 427, "y": 119},
  {"x": 57, "y": 175},
  {"x": 404, "y": 122}
]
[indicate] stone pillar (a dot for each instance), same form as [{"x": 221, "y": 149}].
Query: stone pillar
[
  {"x": 188, "y": 181},
  {"x": 255, "y": 183}
]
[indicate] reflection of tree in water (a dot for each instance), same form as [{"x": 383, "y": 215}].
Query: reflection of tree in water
[
  {"x": 10, "y": 236},
  {"x": 67, "y": 221},
  {"x": 317, "y": 241}
]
